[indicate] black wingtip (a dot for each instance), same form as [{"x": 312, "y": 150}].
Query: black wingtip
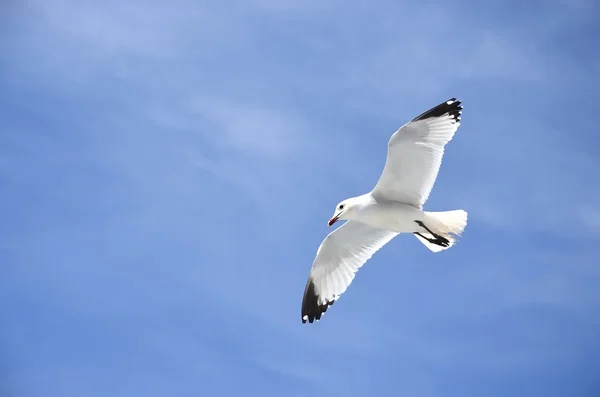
[
  {"x": 452, "y": 107},
  {"x": 311, "y": 309}
]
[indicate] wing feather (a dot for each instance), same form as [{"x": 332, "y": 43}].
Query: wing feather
[
  {"x": 340, "y": 255},
  {"x": 415, "y": 152}
]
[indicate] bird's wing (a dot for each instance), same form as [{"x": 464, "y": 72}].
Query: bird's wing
[
  {"x": 414, "y": 155},
  {"x": 338, "y": 258}
]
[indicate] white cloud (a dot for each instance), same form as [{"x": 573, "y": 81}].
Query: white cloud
[{"x": 252, "y": 128}]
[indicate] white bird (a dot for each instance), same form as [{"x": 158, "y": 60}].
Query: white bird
[{"x": 394, "y": 206}]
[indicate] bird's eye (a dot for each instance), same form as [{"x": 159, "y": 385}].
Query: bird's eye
[{"x": 341, "y": 206}]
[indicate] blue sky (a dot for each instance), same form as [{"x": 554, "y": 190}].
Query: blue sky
[{"x": 167, "y": 170}]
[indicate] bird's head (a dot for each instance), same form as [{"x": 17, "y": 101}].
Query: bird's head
[{"x": 342, "y": 211}]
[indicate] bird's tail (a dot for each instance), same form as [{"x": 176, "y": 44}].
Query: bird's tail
[{"x": 447, "y": 224}]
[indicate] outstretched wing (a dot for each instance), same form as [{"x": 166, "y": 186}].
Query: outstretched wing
[
  {"x": 414, "y": 155},
  {"x": 339, "y": 257}
]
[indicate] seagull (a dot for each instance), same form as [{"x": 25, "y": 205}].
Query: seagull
[{"x": 394, "y": 206}]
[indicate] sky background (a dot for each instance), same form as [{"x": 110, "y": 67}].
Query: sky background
[{"x": 167, "y": 170}]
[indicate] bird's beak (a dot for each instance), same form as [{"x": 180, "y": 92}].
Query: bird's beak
[{"x": 333, "y": 220}]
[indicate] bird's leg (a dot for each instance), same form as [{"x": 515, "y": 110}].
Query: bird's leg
[
  {"x": 426, "y": 228},
  {"x": 438, "y": 240},
  {"x": 431, "y": 240}
]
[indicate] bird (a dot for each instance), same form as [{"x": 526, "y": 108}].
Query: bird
[{"x": 394, "y": 206}]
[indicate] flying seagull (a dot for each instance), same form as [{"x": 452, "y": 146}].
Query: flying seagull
[{"x": 394, "y": 206}]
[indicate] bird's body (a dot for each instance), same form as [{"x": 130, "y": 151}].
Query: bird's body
[
  {"x": 394, "y": 206},
  {"x": 387, "y": 215}
]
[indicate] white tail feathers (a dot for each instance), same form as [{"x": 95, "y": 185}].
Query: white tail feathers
[{"x": 448, "y": 224}]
